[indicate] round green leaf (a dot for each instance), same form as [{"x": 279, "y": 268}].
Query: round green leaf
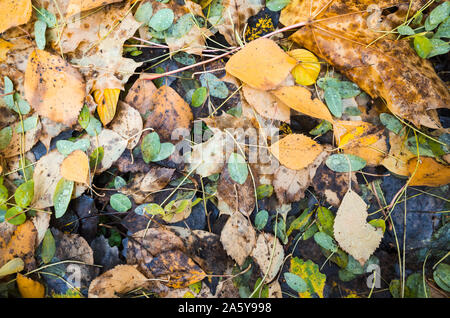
[
  {"x": 21, "y": 106},
  {"x": 440, "y": 13},
  {"x": 261, "y": 219},
  {"x": 66, "y": 147},
  {"x": 276, "y": 5},
  {"x": 442, "y": 276},
  {"x": 162, "y": 20},
  {"x": 27, "y": 124},
  {"x": 340, "y": 163},
  {"x": 423, "y": 46},
  {"x": 150, "y": 147},
  {"x": 295, "y": 282},
  {"x": 48, "y": 247},
  {"x": 24, "y": 194},
  {"x": 199, "y": 96},
  {"x": 94, "y": 126},
  {"x": 120, "y": 202},
  {"x": 144, "y": 12},
  {"x": 391, "y": 123},
  {"x": 325, "y": 241},
  {"x": 264, "y": 191},
  {"x": 15, "y": 215},
  {"x": 216, "y": 87},
  {"x": 39, "y": 34},
  {"x": 405, "y": 30},
  {"x": 237, "y": 168},
  {"x": 5, "y": 137},
  {"x": 165, "y": 151},
  {"x": 183, "y": 25},
  {"x": 334, "y": 101},
  {"x": 119, "y": 182},
  {"x": 184, "y": 58},
  {"x": 62, "y": 196}
]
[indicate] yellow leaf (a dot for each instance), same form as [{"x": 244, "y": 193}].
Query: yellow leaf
[
  {"x": 76, "y": 167},
  {"x": 29, "y": 288},
  {"x": 14, "y": 13},
  {"x": 22, "y": 245},
  {"x": 5, "y": 46},
  {"x": 296, "y": 151},
  {"x": 106, "y": 103},
  {"x": 308, "y": 70},
  {"x": 13, "y": 266},
  {"x": 429, "y": 172},
  {"x": 53, "y": 87},
  {"x": 309, "y": 272},
  {"x": 397, "y": 159},
  {"x": 299, "y": 99},
  {"x": 261, "y": 64}
]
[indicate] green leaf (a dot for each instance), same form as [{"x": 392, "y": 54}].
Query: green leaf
[
  {"x": 421, "y": 143},
  {"x": 216, "y": 87},
  {"x": 440, "y": 13},
  {"x": 144, "y": 13},
  {"x": 196, "y": 287},
  {"x": 321, "y": 128},
  {"x": 154, "y": 209},
  {"x": 21, "y": 106},
  {"x": 96, "y": 157},
  {"x": 348, "y": 89},
  {"x": 48, "y": 247},
  {"x": 94, "y": 126},
  {"x": 378, "y": 223},
  {"x": 262, "y": 291},
  {"x": 391, "y": 123},
  {"x": 340, "y": 163},
  {"x": 15, "y": 215},
  {"x": 27, "y": 124},
  {"x": 183, "y": 25},
  {"x": 442, "y": 276},
  {"x": 11, "y": 267},
  {"x": 237, "y": 168},
  {"x": 5, "y": 137},
  {"x": 346, "y": 276},
  {"x": 325, "y": 220},
  {"x": 353, "y": 266},
  {"x": 325, "y": 241},
  {"x": 276, "y": 5},
  {"x": 415, "y": 284},
  {"x": 84, "y": 117},
  {"x": 301, "y": 222},
  {"x": 310, "y": 231},
  {"x": 310, "y": 273},
  {"x": 423, "y": 46},
  {"x": 184, "y": 58},
  {"x": 165, "y": 151},
  {"x": 439, "y": 47},
  {"x": 444, "y": 30},
  {"x": 119, "y": 182},
  {"x": 261, "y": 219},
  {"x": 264, "y": 191},
  {"x": 3, "y": 194},
  {"x": 295, "y": 282},
  {"x": 161, "y": 20},
  {"x": 334, "y": 101},
  {"x": 150, "y": 147},
  {"x": 8, "y": 88},
  {"x": 24, "y": 194},
  {"x": 62, "y": 196},
  {"x": 120, "y": 202},
  {"x": 66, "y": 147},
  {"x": 199, "y": 96},
  {"x": 47, "y": 17},
  {"x": 280, "y": 230},
  {"x": 39, "y": 34},
  {"x": 405, "y": 30}
]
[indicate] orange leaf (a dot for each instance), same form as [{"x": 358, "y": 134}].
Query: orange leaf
[
  {"x": 296, "y": 151},
  {"x": 299, "y": 98},
  {"x": 29, "y": 288},
  {"x": 14, "y": 13},
  {"x": 429, "y": 172},
  {"x": 53, "y": 87},
  {"x": 106, "y": 103},
  {"x": 76, "y": 167},
  {"x": 5, "y": 46},
  {"x": 261, "y": 64}
]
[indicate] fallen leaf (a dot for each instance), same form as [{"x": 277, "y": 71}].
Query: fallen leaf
[
  {"x": 16, "y": 147},
  {"x": 429, "y": 172},
  {"x": 29, "y": 288},
  {"x": 296, "y": 151},
  {"x": 299, "y": 99},
  {"x": 5, "y": 46},
  {"x": 15, "y": 12},
  {"x": 128, "y": 124},
  {"x": 11, "y": 267},
  {"x": 269, "y": 255},
  {"x": 307, "y": 71},
  {"x": 351, "y": 230},
  {"x": 114, "y": 282},
  {"x": 309, "y": 272},
  {"x": 399, "y": 154},
  {"x": 156, "y": 179},
  {"x": 53, "y": 87},
  {"x": 386, "y": 68},
  {"x": 106, "y": 100},
  {"x": 75, "y": 167},
  {"x": 140, "y": 95},
  {"x": 238, "y": 237},
  {"x": 266, "y": 104},
  {"x": 261, "y": 64},
  {"x": 71, "y": 7}
]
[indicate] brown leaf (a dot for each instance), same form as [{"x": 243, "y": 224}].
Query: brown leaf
[
  {"x": 75, "y": 167},
  {"x": 266, "y": 104},
  {"x": 387, "y": 68},
  {"x": 16, "y": 145},
  {"x": 170, "y": 113},
  {"x": 269, "y": 255},
  {"x": 14, "y": 13},
  {"x": 351, "y": 230},
  {"x": 128, "y": 124},
  {"x": 53, "y": 87},
  {"x": 261, "y": 64},
  {"x": 399, "y": 155},
  {"x": 429, "y": 172},
  {"x": 140, "y": 96}
]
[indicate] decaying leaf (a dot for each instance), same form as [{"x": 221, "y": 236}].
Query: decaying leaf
[
  {"x": 269, "y": 255},
  {"x": 266, "y": 104},
  {"x": 106, "y": 100},
  {"x": 309, "y": 272},
  {"x": 296, "y": 151},
  {"x": 156, "y": 179},
  {"x": 29, "y": 288},
  {"x": 399, "y": 155},
  {"x": 113, "y": 146},
  {"x": 119, "y": 280},
  {"x": 384, "y": 68},
  {"x": 140, "y": 95},
  {"x": 238, "y": 237},
  {"x": 14, "y": 13},
  {"x": 299, "y": 99},
  {"x": 429, "y": 172},
  {"x": 261, "y": 64},
  {"x": 76, "y": 167},
  {"x": 16, "y": 146},
  {"x": 128, "y": 124},
  {"x": 53, "y": 87},
  {"x": 351, "y": 230}
]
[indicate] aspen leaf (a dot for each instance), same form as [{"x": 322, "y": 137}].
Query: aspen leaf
[
  {"x": 106, "y": 103},
  {"x": 76, "y": 167},
  {"x": 299, "y": 99},
  {"x": 307, "y": 71},
  {"x": 29, "y": 288},
  {"x": 429, "y": 172},
  {"x": 266, "y": 104},
  {"x": 5, "y": 46},
  {"x": 309, "y": 272},
  {"x": 296, "y": 151},
  {"x": 261, "y": 64},
  {"x": 399, "y": 155},
  {"x": 14, "y": 13},
  {"x": 268, "y": 254},
  {"x": 351, "y": 230},
  {"x": 128, "y": 124}
]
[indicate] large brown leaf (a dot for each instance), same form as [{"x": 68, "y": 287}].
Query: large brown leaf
[{"x": 339, "y": 32}]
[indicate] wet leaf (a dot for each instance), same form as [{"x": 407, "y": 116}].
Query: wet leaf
[
  {"x": 295, "y": 282},
  {"x": 391, "y": 123},
  {"x": 66, "y": 147},
  {"x": 199, "y": 96},
  {"x": 48, "y": 247},
  {"x": 24, "y": 194},
  {"x": 261, "y": 219},
  {"x": 144, "y": 13},
  {"x": 345, "y": 163},
  {"x": 120, "y": 202},
  {"x": 161, "y": 20},
  {"x": 441, "y": 276},
  {"x": 39, "y": 32},
  {"x": 62, "y": 196},
  {"x": 15, "y": 215},
  {"x": 237, "y": 168},
  {"x": 27, "y": 124},
  {"x": 309, "y": 272},
  {"x": 216, "y": 87},
  {"x": 13, "y": 266},
  {"x": 150, "y": 147},
  {"x": 325, "y": 241}
]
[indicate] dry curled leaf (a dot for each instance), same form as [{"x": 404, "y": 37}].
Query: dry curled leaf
[
  {"x": 296, "y": 151},
  {"x": 53, "y": 87},
  {"x": 261, "y": 64},
  {"x": 429, "y": 172},
  {"x": 399, "y": 155},
  {"x": 386, "y": 68},
  {"x": 14, "y": 13},
  {"x": 128, "y": 124},
  {"x": 351, "y": 230},
  {"x": 238, "y": 237},
  {"x": 76, "y": 167},
  {"x": 269, "y": 255}
]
